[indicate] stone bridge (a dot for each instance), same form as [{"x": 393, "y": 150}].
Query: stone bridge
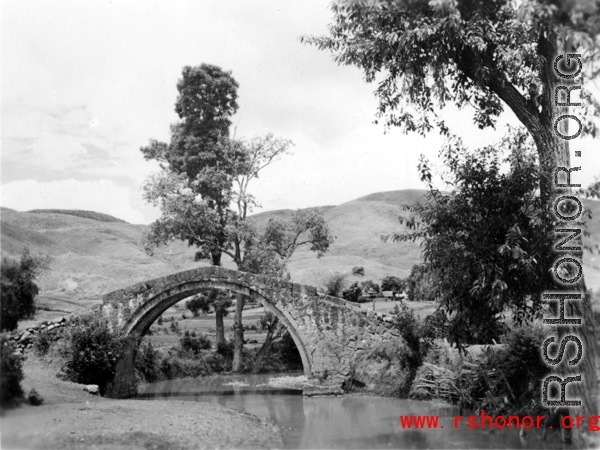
[{"x": 334, "y": 337}]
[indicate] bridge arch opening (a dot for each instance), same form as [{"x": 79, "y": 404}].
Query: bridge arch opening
[{"x": 144, "y": 316}]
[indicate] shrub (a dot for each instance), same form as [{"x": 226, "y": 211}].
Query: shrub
[
  {"x": 11, "y": 374},
  {"x": 522, "y": 367},
  {"x": 420, "y": 285},
  {"x": 18, "y": 290},
  {"x": 391, "y": 283},
  {"x": 225, "y": 349},
  {"x": 353, "y": 293},
  {"x": 175, "y": 327},
  {"x": 146, "y": 362},
  {"x": 171, "y": 365},
  {"x": 199, "y": 304},
  {"x": 360, "y": 271},
  {"x": 435, "y": 326},
  {"x": 92, "y": 350},
  {"x": 34, "y": 398},
  {"x": 335, "y": 284},
  {"x": 411, "y": 329},
  {"x": 193, "y": 344},
  {"x": 501, "y": 380},
  {"x": 218, "y": 362},
  {"x": 42, "y": 343},
  {"x": 370, "y": 286}
]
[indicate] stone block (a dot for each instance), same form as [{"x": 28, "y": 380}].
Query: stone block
[{"x": 92, "y": 389}]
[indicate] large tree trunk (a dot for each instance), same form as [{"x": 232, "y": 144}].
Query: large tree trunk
[
  {"x": 539, "y": 119},
  {"x": 238, "y": 329},
  {"x": 553, "y": 152}
]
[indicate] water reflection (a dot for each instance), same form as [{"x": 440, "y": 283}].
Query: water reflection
[{"x": 342, "y": 422}]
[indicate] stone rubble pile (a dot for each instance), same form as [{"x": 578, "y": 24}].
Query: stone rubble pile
[{"x": 22, "y": 340}]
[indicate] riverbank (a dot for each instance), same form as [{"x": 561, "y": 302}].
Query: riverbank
[{"x": 71, "y": 419}]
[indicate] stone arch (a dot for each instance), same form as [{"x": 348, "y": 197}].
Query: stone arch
[
  {"x": 146, "y": 314},
  {"x": 332, "y": 335}
]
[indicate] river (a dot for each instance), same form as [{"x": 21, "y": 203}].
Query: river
[{"x": 350, "y": 422}]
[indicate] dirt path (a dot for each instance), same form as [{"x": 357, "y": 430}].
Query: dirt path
[{"x": 73, "y": 419}]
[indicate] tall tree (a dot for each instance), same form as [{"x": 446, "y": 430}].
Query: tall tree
[
  {"x": 199, "y": 164},
  {"x": 203, "y": 188},
  {"x": 200, "y": 159},
  {"x": 490, "y": 55}
]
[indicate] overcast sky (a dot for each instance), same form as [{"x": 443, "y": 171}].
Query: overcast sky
[{"x": 86, "y": 83}]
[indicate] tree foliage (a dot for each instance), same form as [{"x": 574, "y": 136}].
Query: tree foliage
[
  {"x": 200, "y": 303},
  {"x": 486, "y": 241},
  {"x": 488, "y": 55},
  {"x": 203, "y": 189},
  {"x": 18, "y": 289},
  {"x": 358, "y": 270},
  {"x": 269, "y": 251},
  {"x": 370, "y": 286},
  {"x": 352, "y": 293},
  {"x": 11, "y": 374},
  {"x": 92, "y": 350},
  {"x": 421, "y": 284},
  {"x": 392, "y": 283},
  {"x": 199, "y": 164},
  {"x": 335, "y": 283}
]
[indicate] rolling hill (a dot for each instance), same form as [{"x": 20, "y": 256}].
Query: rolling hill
[{"x": 91, "y": 257}]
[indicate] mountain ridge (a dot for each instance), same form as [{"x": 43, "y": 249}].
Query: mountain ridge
[{"x": 92, "y": 257}]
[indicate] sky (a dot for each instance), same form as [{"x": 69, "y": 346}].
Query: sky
[{"x": 85, "y": 84}]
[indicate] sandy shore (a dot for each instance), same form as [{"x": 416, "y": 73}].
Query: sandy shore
[{"x": 73, "y": 419}]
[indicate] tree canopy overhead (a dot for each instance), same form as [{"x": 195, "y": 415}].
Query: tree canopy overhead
[{"x": 425, "y": 54}]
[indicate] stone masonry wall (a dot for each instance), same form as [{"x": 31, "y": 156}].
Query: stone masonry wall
[{"x": 23, "y": 340}]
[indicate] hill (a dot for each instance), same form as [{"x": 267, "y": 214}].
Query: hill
[
  {"x": 80, "y": 213},
  {"x": 91, "y": 257}
]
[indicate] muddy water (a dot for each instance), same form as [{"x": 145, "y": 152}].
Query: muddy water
[{"x": 340, "y": 422}]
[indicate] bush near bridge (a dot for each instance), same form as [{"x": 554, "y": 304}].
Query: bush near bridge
[
  {"x": 18, "y": 289},
  {"x": 499, "y": 379},
  {"x": 194, "y": 358},
  {"x": 11, "y": 374},
  {"x": 91, "y": 350}
]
